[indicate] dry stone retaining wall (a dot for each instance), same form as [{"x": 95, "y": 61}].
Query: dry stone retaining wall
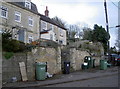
[
  {"x": 76, "y": 57},
  {"x": 54, "y": 57},
  {"x": 10, "y": 67}
]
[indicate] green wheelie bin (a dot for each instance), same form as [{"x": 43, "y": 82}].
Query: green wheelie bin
[
  {"x": 89, "y": 60},
  {"x": 85, "y": 66},
  {"x": 93, "y": 63},
  {"x": 103, "y": 64},
  {"x": 90, "y": 63},
  {"x": 40, "y": 71}
]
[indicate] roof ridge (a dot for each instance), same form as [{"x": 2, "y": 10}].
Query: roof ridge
[{"x": 50, "y": 20}]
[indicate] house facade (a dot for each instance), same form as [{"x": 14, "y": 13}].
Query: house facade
[
  {"x": 50, "y": 30},
  {"x": 22, "y": 19}
]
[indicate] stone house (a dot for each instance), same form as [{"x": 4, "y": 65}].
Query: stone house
[
  {"x": 21, "y": 18},
  {"x": 50, "y": 30}
]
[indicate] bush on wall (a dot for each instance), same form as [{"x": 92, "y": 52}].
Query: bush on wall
[{"x": 11, "y": 45}]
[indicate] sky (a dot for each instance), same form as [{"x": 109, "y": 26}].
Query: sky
[{"x": 83, "y": 12}]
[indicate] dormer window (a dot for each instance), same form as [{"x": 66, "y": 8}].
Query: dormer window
[{"x": 27, "y": 4}]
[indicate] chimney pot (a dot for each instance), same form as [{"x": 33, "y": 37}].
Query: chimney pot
[{"x": 46, "y": 12}]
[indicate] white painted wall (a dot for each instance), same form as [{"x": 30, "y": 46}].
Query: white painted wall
[
  {"x": 60, "y": 33},
  {"x": 48, "y": 35}
]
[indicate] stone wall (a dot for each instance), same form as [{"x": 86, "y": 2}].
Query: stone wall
[
  {"x": 10, "y": 67},
  {"x": 76, "y": 57},
  {"x": 53, "y": 58},
  {"x": 95, "y": 49}
]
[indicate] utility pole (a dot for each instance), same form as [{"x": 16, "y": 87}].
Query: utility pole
[
  {"x": 118, "y": 27},
  {"x": 107, "y": 27}
]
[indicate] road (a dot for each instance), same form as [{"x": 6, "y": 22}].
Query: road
[
  {"x": 105, "y": 81},
  {"x": 87, "y": 78}
]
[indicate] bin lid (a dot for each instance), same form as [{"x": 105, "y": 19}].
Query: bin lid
[
  {"x": 85, "y": 63},
  {"x": 87, "y": 57},
  {"x": 41, "y": 63}
]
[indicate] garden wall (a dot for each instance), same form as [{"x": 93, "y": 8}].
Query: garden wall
[{"x": 10, "y": 67}]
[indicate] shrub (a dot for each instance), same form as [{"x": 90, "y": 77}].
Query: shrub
[
  {"x": 14, "y": 46},
  {"x": 29, "y": 47},
  {"x": 8, "y": 55},
  {"x": 11, "y": 45}
]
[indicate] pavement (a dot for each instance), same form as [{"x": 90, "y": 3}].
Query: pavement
[{"x": 66, "y": 78}]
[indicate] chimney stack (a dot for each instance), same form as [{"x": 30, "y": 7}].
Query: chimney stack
[{"x": 46, "y": 12}]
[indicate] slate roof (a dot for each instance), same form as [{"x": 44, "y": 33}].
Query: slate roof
[
  {"x": 47, "y": 19},
  {"x": 22, "y": 5}
]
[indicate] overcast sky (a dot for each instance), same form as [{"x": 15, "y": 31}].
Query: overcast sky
[{"x": 86, "y": 12}]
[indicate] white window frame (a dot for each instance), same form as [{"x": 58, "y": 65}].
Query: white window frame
[
  {"x": 17, "y": 13},
  {"x": 51, "y": 36},
  {"x": 52, "y": 27},
  {"x": 27, "y": 4},
  {"x": 61, "y": 32},
  {"x": 30, "y": 39},
  {"x": 44, "y": 26},
  {"x": 5, "y": 10},
  {"x": 30, "y": 19},
  {"x": 61, "y": 41}
]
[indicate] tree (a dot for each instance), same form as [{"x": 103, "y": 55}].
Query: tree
[
  {"x": 87, "y": 34},
  {"x": 72, "y": 30},
  {"x": 113, "y": 50},
  {"x": 75, "y": 30},
  {"x": 11, "y": 45},
  {"x": 6, "y": 37},
  {"x": 6, "y": 34},
  {"x": 98, "y": 34},
  {"x": 74, "y": 33}
]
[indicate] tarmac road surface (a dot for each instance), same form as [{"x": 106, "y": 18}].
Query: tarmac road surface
[
  {"x": 87, "y": 78},
  {"x": 105, "y": 81}
]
